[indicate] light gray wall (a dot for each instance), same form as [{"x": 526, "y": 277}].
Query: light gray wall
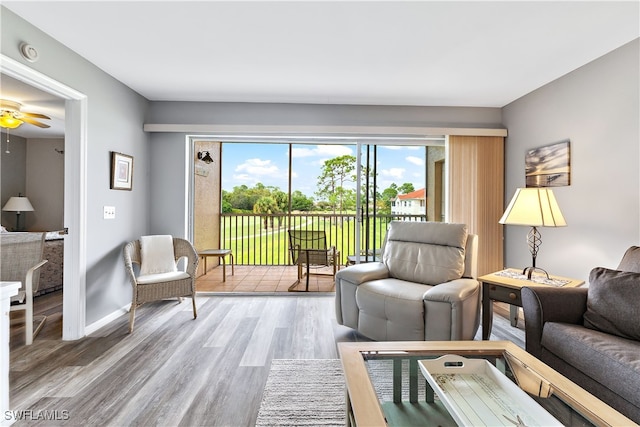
[
  {"x": 597, "y": 108},
  {"x": 115, "y": 118},
  {"x": 33, "y": 168},
  {"x": 13, "y": 177},
  {"x": 229, "y": 113},
  {"x": 45, "y": 184}
]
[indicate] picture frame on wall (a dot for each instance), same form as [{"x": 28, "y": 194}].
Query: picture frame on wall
[
  {"x": 549, "y": 166},
  {"x": 121, "y": 171}
]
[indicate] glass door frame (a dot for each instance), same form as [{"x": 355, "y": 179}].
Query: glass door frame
[{"x": 362, "y": 144}]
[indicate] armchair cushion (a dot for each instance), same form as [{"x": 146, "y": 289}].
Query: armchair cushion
[
  {"x": 157, "y": 255},
  {"x": 608, "y": 308},
  {"x": 161, "y": 277},
  {"x": 427, "y": 253},
  {"x": 392, "y": 308},
  {"x": 360, "y": 273}
]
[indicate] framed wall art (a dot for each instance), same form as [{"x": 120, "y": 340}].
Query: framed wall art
[
  {"x": 121, "y": 171},
  {"x": 548, "y": 166}
]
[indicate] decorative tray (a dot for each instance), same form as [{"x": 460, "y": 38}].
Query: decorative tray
[{"x": 476, "y": 393}]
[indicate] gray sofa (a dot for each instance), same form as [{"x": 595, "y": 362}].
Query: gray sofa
[
  {"x": 424, "y": 288},
  {"x": 592, "y": 335}
]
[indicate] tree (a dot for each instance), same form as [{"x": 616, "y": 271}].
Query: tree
[
  {"x": 266, "y": 205},
  {"x": 388, "y": 193},
  {"x": 300, "y": 202},
  {"x": 334, "y": 174},
  {"x": 240, "y": 198},
  {"x": 406, "y": 188},
  {"x": 226, "y": 203}
]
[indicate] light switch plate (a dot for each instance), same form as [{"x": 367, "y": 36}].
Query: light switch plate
[{"x": 109, "y": 212}]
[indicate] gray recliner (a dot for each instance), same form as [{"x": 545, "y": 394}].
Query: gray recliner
[{"x": 424, "y": 288}]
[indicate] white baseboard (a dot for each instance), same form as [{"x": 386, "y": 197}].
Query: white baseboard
[{"x": 89, "y": 329}]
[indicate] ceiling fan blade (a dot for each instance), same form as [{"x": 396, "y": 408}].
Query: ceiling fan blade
[
  {"x": 35, "y": 115},
  {"x": 34, "y": 122}
]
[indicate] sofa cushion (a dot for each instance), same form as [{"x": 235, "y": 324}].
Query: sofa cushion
[
  {"x": 609, "y": 360},
  {"x": 425, "y": 252},
  {"x": 630, "y": 260},
  {"x": 611, "y": 302}
]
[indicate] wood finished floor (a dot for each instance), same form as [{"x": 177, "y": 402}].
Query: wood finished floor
[{"x": 174, "y": 370}]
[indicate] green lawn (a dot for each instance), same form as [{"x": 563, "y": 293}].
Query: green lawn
[{"x": 252, "y": 244}]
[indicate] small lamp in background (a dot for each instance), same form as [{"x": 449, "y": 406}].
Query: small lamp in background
[
  {"x": 18, "y": 204},
  {"x": 534, "y": 207}
]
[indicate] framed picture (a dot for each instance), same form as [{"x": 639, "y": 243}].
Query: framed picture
[
  {"x": 121, "y": 171},
  {"x": 548, "y": 166}
]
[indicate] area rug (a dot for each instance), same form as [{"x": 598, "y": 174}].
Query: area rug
[{"x": 303, "y": 392}]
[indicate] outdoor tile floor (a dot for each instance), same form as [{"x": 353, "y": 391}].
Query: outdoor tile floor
[{"x": 249, "y": 278}]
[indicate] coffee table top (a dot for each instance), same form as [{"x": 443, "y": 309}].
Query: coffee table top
[{"x": 531, "y": 374}]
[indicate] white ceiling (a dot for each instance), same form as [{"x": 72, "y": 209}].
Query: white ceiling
[{"x": 452, "y": 53}]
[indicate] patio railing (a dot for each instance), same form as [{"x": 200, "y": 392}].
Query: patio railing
[{"x": 261, "y": 239}]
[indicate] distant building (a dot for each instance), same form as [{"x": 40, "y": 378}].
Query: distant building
[{"x": 414, "y": 203}]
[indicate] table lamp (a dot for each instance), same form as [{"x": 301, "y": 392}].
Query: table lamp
[
  {"x": 534, "y": 207},
  {"x": 18, "y": 204}
]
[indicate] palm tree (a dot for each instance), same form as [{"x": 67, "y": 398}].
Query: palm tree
[{"x": 266, "y": 205}]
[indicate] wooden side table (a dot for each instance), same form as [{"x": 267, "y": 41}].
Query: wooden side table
[
  {"x": 505, "y": 286},
  {"x": 220, "y": 253}
]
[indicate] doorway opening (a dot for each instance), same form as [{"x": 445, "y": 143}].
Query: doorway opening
[{"x": 75, "y": 194}]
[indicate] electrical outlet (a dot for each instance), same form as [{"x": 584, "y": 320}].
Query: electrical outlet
[{"x": 109, "y": 212}]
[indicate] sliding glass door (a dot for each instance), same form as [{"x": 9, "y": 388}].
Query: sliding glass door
[{"x": 396, "y": 180}]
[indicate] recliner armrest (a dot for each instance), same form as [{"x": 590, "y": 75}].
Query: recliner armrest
[
  {"x": 548, "y": 304},
  {"x": 452, "y": 291},
  {"x": 365, "y": 272}
]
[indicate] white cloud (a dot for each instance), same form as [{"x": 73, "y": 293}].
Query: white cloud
[
  {"x": 258, "y": 167},
  {"x": 415, "y": 160},
  {"x": 302, "y": 152},
  {"x": 243, "y": 177},
  {"x": 393, "y": 172}
]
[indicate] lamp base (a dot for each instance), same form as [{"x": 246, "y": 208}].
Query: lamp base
[{"x": 529, "y": 271}]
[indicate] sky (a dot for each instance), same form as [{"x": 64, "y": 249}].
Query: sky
[{"x": 248, "y": 164}]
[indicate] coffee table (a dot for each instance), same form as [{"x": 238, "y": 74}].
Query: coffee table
[{"x": 566, "y": 401}]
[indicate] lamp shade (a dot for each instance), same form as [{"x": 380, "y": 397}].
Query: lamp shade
[
  {"x": 18, "y": 204},
  {"x": 535, "y": 207}
]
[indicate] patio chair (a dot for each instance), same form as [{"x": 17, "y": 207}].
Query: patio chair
[
  {"x": 159, "y": 277},
  {"x": 309, "y": 248},
  {"x": 21, "y": 260}
]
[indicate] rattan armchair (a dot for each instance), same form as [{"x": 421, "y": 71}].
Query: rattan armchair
[
  {"x": 21, "y": 260},
  {"x": 156, "y": 287}
]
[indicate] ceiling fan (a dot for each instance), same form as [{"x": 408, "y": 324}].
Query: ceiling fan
[{"x": 11, "y": 117}]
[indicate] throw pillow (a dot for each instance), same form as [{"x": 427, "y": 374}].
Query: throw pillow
[
  {"x": 612, "y": 302},
  {"x": 631, "y": 260},
  {"x": 157, "y": 255}
]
